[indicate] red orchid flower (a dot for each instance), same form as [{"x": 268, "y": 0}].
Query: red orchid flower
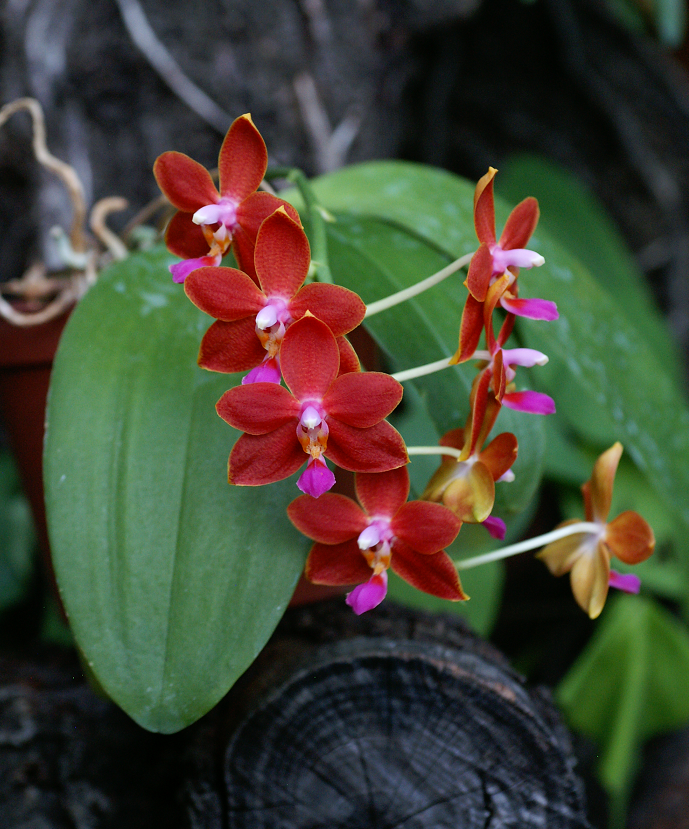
[
  {"x": 253, "y": 319},
  {"x": 357, "y": 544},
  {"x": 507, "y": 255},
  {"x": 208, "y": 221},
  {"x": 586, "y": 556},
  {"x": 323, "y": 415},
  {"x": 466, "y": 485}
]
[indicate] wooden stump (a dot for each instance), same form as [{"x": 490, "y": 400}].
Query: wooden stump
[{"x": 432, "y": 729}]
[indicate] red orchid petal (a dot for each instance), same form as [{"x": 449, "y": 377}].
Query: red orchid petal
[
  {"x": 383, "y": 493},
  {"x": 455, "y": 438},
  {"x": 500, "y": 454},
  {"x": 310, "y": 358},
  {"x": 256, "y": 208},
  {"x": 349, "y": 360},
  {"x": 484, "y": 209},
  {"x": 480, "y": 431},
  {"x": 499, "y": 380},
  {"x": 224, "y": 293},
  {"x": 336, "y": 564},
  {"x": 598, "y": 489},
  {"x": 263, "y": 459},
  {"x": 186, "y": 183},
  {"x": 243, "y": 248},
  {"x": 630, "y": 538},
  {"x": 479, "y": 401},
  {"x": 426, "y": 528},
  {"x": 505, "y": 329},
  {"x": 362, "y": 399},
  {"x": 470, "y": 330},
  {"x": 531, "y": 402},
  {"x": 339, "y": 308},
  {"x": 184, "y": 238},
  {"x": 282, "y": 255},
  {"x": 495, "y": 292},
  {"x": 480, "y": 272},
  {"x": 434, "y": 574},
  {"x": 231, "y": 346},
  {"x": 242, "y": 161},
  {"x": 331, "y": 519},
  {"x": 258, "y": 408},
  {"x": 533, "y": 309},
  {"x": 376, "y": 449},
  {"x": 520, "y": 224}
]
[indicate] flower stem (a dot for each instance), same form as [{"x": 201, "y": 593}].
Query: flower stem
[
  {"x": 419, "y": 288},
  {"x": 318, "y": 215},
  {"x": 431, "y": 368},
  {"x": 421, "y": 371},
  {"x": 529, "y": 544},
  {"x": 434, "y": 450}
]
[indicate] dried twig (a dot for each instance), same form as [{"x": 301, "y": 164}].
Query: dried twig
[
  {"x": 168, "y": 69},
  {"x": 330, "y": 146},
  {"x": 100, "y": 211},
  {"x": 60, "y": 168}
]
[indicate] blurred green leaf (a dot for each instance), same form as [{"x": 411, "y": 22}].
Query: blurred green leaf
[
  {"x": 17, "y": 535},
  {"x": 172, "y": 579},
  {"x": 630, "y": 683}
]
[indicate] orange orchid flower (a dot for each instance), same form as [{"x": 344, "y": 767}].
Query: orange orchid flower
[{"x": 586, "y": 555}]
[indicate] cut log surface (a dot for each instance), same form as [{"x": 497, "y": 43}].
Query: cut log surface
[{"x": 371, "y": 732}]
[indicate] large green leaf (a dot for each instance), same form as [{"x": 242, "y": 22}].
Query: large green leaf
[
  {"x": 172, "y": 579},
  {"x": 630, "y": 683}
]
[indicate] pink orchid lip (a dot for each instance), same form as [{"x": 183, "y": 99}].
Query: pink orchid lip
[
  {"x": 316, "y": 479},
  {"x": 517, "y": 258},
  {"x": 369, "y": 594},
  {"x": 224, "y": 213},
  {"x": 274, "y": 311},
  {"x": 311, "y": 415}
]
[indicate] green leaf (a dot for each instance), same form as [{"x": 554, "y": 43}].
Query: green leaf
[
  {"x": 630, "y": 683},
  {"x": 172, "y": 579}
]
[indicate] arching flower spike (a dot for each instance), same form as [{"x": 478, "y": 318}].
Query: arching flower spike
[
  {"x": 323, "y": 415},
  {"x": 357, "y": 544},
  {"x": 208, "y": 221},
  {"x": 586, "y": 556},
  {"x": 253, "y": 319}
]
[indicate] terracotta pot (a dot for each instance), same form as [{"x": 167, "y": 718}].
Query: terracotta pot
[{"x": 26, "y": 357}]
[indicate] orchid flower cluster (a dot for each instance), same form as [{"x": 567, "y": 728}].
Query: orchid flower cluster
[{"x": 273, "y": 321}]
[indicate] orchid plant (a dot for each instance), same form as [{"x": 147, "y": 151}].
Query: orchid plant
[{"x": 174, "y": 567}]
